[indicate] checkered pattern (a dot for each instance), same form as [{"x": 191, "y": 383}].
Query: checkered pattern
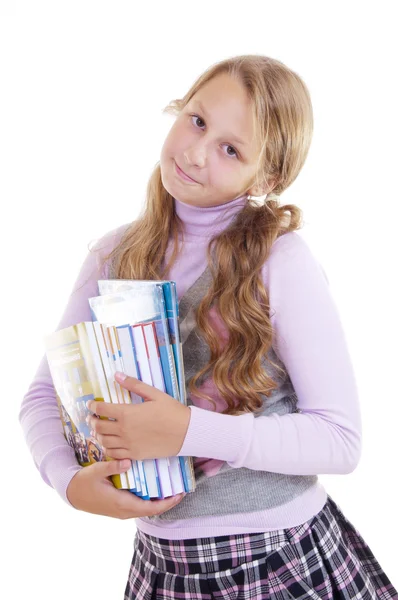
[{"x": 325, "y": 557}]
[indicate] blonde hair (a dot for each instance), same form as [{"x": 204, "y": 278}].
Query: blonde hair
[{"x": 283, "y": 119}]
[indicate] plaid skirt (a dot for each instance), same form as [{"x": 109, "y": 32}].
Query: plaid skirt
[{"x": 325, "y": 557}]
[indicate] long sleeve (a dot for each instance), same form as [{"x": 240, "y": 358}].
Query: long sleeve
[
  {"x": 325, "y": 436},
  {"x": 39, "y": 414}
]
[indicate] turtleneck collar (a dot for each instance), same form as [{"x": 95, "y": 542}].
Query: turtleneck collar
[{"x": 205, "y": 222}]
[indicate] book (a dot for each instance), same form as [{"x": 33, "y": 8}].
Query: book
[
  {"x": 139, "y": 302},
  {"x": 122, "y": 396},
  {"x": 168, "y": 302},
  {"x": 132, "y": 335},
  {"x": 165, "y": 324},
  {"x": 130, "y": 365},
  {"x": 77, "y": 373},
  {"x": 158, "y": 381}
]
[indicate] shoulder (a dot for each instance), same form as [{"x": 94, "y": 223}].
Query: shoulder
[
  {"x": 291, "y": 256},
  {"x": 289, "y": 245},
  {"x": 100, "y": 248},
  {"x": 109, "y": 240}
]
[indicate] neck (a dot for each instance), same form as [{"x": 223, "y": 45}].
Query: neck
[{"x": 205, "y": 222}]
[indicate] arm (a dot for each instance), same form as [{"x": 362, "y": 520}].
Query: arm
[
  {"x": 39, "y": 413},
  {"x": 325, "y": 436}
]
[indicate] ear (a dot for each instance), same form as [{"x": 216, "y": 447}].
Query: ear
[{"x": 261, "y": 190}]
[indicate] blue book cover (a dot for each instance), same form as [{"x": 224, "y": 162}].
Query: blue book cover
[{"x": 164, "y": 358}]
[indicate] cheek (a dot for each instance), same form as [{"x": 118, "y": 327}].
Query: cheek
[
  {"x": 224, "y": 170},
  {"x": 168, "y": 149},
  {"x": 166, "y": 145},
  {"x": 176, "y": 135}
]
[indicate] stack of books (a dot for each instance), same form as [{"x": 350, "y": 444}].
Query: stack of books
[{"x": 134, "y": 329}]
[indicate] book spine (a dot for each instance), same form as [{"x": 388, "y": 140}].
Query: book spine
[
  {"x": 130, "y": 367},
  {"x": 171, "y": 485},
  {"x": 176, "y": 477},
  {"x": 172, "y": 371},
  {"x": 98, "y": 363},
  {"x": 116, "y": 354},
  {"x": 172, "y": 313},
  {"x": 151, "y": 472},
  {"x": 164, "y": 359},
  {"x": 111, "y": 359},
  {"x": 119, "y": 480},
  {"x": 163, "y": 464},
  {"x": 137, "y": 399},
  {"x": 188, "y": 461}
]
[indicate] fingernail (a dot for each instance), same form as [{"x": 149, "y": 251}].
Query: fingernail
[{"x": 120, "y": 376}]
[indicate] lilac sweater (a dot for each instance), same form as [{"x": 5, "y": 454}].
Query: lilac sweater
[{"x": 324, "y": 437}]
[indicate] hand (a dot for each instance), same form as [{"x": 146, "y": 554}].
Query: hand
[
  {"x": 90, "y": 490},
  {"x": 154, "y": 429}
]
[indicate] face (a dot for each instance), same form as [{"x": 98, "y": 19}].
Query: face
[{"x": 211, "y": 140}]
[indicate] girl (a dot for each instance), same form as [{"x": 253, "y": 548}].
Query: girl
[{"x": 272, "y": 397}]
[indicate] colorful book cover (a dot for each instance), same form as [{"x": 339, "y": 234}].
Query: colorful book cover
[{"x": 76, "y": 381}]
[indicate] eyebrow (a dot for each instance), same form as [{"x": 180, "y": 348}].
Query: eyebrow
[{"x": 203, "y": 110}]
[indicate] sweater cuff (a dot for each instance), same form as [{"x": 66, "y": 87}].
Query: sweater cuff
[{"x": 215, "y": 435}]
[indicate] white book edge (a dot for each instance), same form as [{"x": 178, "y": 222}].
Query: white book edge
[
  {"x": 124, "y": 480},
  {"x": 111, "y": 359},
  {"x": 143, "y": 362},
  {"x": 158, "y": 382},
  {"x": 130, "y": 368},
  {"x": 115, "y": 345}
]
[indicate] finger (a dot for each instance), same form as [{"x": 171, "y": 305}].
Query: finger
[
  {"x": 112, "y": 467},
  {"x": 155, "y": 507},
  {"x": 103, "y": 427},
  {"x": 148, "y": 392},
  {"x": 160, "y": 505},
  {"x": 109, "y": 441},
  {"x": 117, "y": 453},
  {"x": 107, "y": 409}
]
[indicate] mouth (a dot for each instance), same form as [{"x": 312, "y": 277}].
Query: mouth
[{"x": 183, "y": 175}]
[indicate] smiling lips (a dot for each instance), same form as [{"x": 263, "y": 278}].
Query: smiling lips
[{"x": 183, "y": 175}]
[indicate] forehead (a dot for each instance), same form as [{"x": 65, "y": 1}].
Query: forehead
[{"x": 224, "y": 94}]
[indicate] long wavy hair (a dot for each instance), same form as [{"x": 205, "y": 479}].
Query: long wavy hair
[{"x": 283, "y": 119}]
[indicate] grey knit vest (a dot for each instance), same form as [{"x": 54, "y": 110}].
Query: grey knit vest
[{"x": 233, "y": 490}]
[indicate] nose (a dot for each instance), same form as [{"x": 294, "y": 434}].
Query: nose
[{"x": 195, "y": 156}]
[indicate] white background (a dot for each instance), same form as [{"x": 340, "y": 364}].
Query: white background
[{"x": 83, "y": 85}]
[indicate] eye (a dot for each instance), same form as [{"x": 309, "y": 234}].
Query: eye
[{"x": 228, "y": 145}]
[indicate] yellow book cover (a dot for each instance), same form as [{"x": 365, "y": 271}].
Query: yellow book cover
[{"x": 76, "y": 381}]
